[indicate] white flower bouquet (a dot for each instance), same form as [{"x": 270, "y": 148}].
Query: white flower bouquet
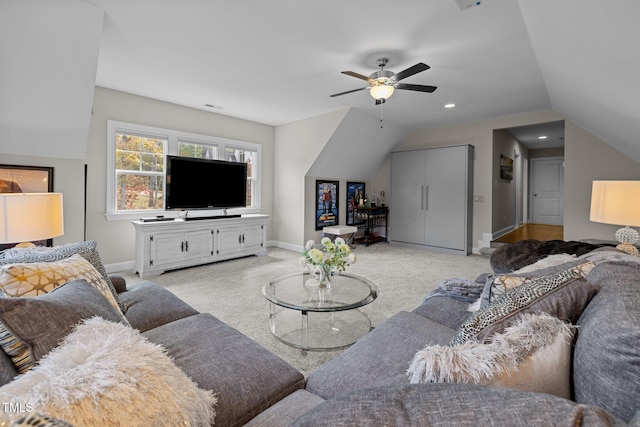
[{"x": 334, "y": 256}]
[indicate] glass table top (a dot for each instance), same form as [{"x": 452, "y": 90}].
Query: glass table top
[{"x": 299, "y": 291}]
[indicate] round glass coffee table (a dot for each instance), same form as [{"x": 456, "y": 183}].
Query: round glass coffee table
[{"x": 309, "y": 317}]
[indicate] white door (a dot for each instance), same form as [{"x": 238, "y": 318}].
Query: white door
[
  {"x": 445, "y": 197},
  {"x": 547, "y": 190},
  {"x": 408, "y": 196}
]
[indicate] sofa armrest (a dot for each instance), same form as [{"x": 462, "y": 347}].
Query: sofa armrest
[{"x": 119, "y": 282}]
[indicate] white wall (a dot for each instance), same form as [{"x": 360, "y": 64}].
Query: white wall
[
  {"x": 297, "y": 147},
  {"x": 116, "y": 238},
  {"x": 49, "y": 57},
  {"x": 587, "y": 158},
  {"x": 480, "y": 135}
]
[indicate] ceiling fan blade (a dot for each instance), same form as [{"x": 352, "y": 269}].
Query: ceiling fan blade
[
  {"x": 380, "y": 101},
  {"x": 349, "y": 91},
  {"x": 356, "y": 75},
  {"x": 418, "y": 88},
  {"x": 419, "y": 67}
]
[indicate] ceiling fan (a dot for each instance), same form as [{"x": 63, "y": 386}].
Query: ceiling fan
[{"x": 382, "y": 83}]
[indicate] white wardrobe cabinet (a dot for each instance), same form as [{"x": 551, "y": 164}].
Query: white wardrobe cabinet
[{"x": 432, "y": 197}]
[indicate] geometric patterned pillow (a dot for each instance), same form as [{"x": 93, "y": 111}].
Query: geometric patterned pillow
[
  {"x": 33, "y": 279},
  {"x": 87, "y": 249},
  {"x": 563, "y": 295}
]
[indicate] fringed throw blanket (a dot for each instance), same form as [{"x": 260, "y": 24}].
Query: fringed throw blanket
[{"x": 462, "y": 289}]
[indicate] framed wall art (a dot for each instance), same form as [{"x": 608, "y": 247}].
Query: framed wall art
[
  {"x": 326, "y": 203},
  {"x": 26, "y": 179},
  {"x": 355, "y": 192},
  {"x": 506, "y": 168}
]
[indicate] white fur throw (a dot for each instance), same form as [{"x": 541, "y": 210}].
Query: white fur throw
[
  {"x": 105, "y": 373},
  {"x": 533, "y": 354}
]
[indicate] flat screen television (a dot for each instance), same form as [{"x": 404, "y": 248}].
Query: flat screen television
[{"x": 205, "y": 184}]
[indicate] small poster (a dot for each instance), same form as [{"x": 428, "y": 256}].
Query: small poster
[
  {"x": 326, "y": 203},
  {"x": 355, "y": 192}
]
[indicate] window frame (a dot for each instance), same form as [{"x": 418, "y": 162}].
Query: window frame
[{"x": 171, "y": 148}]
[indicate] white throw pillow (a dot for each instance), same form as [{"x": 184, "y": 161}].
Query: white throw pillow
[
  {"x": 533, "y": 354},
  {"x": 107, "y": 373}
]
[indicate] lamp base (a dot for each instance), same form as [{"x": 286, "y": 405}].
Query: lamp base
[
  {"x": 627, "y": 236},
  {"x": 25, "y": 245}
]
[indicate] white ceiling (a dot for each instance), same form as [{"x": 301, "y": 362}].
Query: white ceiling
[{"x": 278, "y": 61}]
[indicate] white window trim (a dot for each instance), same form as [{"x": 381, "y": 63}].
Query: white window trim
[{"x": 172, "y": 137}]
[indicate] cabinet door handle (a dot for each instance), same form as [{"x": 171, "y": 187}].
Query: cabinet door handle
[
  {"x": 181, "y": 246},
  {"x": 422, "y": 198},
  {"x": 239, "y": 239},
  {"x": 426, "y": 198},
  {"x": 243, "y": 238},
  {"x": 186, "y": 246}
]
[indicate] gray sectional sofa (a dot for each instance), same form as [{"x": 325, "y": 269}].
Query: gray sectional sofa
[{"x": 368, "y": 384}]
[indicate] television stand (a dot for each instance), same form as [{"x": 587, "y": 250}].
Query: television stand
[
  {"x": 168, "y": 245},
  {"x": 200, "y": 218}
]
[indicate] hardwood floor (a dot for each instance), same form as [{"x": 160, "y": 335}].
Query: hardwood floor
[{"x": 533, "y": 231}]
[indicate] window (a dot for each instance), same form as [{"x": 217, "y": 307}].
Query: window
[
  {"x": 139, "y": 172},
  {"x": 136, "y": 165}
]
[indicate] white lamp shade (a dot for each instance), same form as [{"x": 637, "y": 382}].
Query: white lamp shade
[
  {"x": 381, "y": 91},
  {"x": 27, "y": 217},
  {"x": 616, "y": 202}
]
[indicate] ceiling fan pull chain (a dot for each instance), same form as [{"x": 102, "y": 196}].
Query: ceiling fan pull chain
[{"x": 381, "y": 104}]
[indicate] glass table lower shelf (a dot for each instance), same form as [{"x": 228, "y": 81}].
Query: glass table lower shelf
[
  {"x": 319, "y": 331},
  {"x": 319, "y": 318}
]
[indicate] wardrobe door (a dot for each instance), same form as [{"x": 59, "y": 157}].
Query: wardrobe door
[
  {"x": 446, "y": 197},
  {"x": 408, "y": 196}
]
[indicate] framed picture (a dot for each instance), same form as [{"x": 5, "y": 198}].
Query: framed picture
[
  {"x": 326, "y": 203},
  {"x": 26, "y": 179},
  {"x": 355, "y": 192},
  {"x": 506, "y": 168}
]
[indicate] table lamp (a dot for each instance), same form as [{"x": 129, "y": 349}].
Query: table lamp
[
  {"x": 618, "y": 202},
  {"x": 27, "y": 217}
]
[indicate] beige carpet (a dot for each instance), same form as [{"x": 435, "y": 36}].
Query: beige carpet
[{"x": 232, "y": 290}]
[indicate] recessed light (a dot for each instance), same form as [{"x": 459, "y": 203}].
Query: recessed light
[
  {"x": 450, "y": 105},
  {"x": 542, "y": 137}
]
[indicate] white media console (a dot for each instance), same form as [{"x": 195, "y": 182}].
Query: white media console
[{"x": 168, "y": 245}]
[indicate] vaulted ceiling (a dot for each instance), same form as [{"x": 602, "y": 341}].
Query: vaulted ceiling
[{"x": 278, "y": 61}]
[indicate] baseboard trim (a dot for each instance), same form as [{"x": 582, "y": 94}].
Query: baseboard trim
[
  {"x": 120, "y": 266},
  {"x": 284, "y": 245}
]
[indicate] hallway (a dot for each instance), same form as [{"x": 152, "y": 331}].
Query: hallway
[{"x": 533, "y": 231}]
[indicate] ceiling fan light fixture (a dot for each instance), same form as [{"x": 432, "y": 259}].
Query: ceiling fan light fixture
[{"x": 381, "y": 91}]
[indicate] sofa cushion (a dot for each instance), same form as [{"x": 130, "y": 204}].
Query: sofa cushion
[
  {"x": 87, "y": 249},
  {"x": 380, "y": 357},
  {"x": 563, "y": 295},
  {"x": 447, "y": 311},
  {"x": 37, "y": 278},
  {"x": 287, "y": 410},
  {"x": 452, "y": 405},
  {"x": 106, "y": 373},
  {"x": 149, "y": 305},
  {"x": 246, "y": 377},
  {"x": 533, "y": 354},
  {"x": 606, "y": 368},
  {"x": 34, "y": 326}
]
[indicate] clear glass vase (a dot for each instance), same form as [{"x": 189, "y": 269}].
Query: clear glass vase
[{"x": 324, "y": 276}]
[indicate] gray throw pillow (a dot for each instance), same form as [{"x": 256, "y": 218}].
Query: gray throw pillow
[
  {"x": 563, "y": 295},
  {"x": 34, "y": 326}
]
